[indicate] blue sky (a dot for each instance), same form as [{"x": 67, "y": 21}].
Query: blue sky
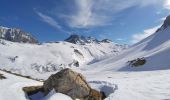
[{"x": 123, "y": 21}]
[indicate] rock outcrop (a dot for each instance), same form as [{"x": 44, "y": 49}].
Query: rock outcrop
[
  {"x": 2, "y": 77},
  {"x": 137, "y": 62},
  {"x": 16, "y": 35},
  {"x": 76, "y": 39},
  {"x": 72, "y": 84}
]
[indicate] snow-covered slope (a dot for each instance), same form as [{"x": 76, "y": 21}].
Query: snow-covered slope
[
  {"x": 149, "y": 81},
  {"x": 103, "y": 70},
  {"x": 155, "y": 49},
  {"x": 28, "y": 59}
]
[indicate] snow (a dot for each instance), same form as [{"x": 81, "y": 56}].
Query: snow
[
  {"x": 37, "y": 60},
  {"x": 147, "y": 82},
  {"x": 104, "y": 69},
  {"x": 144, "y": 85},
  {"x": 155, "y": 52},
  {"x": 53, "y": 96},
  {"x": 11, "y": 88}
]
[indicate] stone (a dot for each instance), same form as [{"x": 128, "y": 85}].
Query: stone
[{"x": 72, "y": 84}]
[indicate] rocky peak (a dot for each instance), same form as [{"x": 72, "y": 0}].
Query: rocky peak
[
  {"x": 16, "y": 35},
  {"x": 106, "y": 41},
  {"x": 77, "y": 39},
  {"x": 165, "y": 24}
]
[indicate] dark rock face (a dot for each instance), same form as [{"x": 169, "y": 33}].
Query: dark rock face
[
  {"x": 16, "y": 35},
  {"x": 137, "y": 62},
  {"x": 76, "y": 39},
  {"x": 165, "y": 24},
  {"x": 106, "y": 41},
  {"x": 2, "y": 76},
  {"x": 72, "y": 84}
]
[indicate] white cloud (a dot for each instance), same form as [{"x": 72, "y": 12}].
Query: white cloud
[
  {"x": 167, "y": 4},
  {"x": 140, "y": 36},
  {"x": 49, "y": 20},
  {"x": 92, "y": 13}
]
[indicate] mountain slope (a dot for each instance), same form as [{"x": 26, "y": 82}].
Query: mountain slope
[
  {"x": 28, "y": 59},
  {"x": 16, "y": 35},
  {"x": 76, "y": 39},
  {"x": 149, "y": 81},
  {"x": 155, "y": 49}
]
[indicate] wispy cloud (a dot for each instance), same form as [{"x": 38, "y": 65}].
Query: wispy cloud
[
  {"x": 92, "y": 13},
  {"x": 140, "y": 36},
  {"x": 49, "y": 20}
]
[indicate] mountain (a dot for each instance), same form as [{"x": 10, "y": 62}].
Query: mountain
[
  {"x": 165, "y": 24},
  {"x": 140, "y": 72},
  {"x": 77, "y": 39},
  {"x": 16, "y": 35},
  {"x": 155, "y": 49},
  {"x": 31, "y": 59}
]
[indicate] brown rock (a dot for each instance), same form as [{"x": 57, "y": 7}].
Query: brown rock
[{"x": 72, "y": 84}]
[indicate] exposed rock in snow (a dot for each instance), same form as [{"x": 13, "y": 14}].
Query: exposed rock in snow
[
  {"x": 106, "y": 41},
  {"x": 2, "y": 76},
  {"x": 72, "y": 84},
  {"x": 165, "y": 24},
  {"x": 16, "y": 35}
]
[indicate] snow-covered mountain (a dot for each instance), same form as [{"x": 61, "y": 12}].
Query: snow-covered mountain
[
  {"x": 16, "y": 35},
  {"x": 28, "y": 59},
  {"x": 77, "y": 39},
  {"x": 140, "y": 72},
  {"x": 155, "y": 49},
  {"x": 98, "y": 63}
]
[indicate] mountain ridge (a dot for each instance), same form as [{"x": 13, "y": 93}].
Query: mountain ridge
[
  {"x": 79, "y": 39},
  {"x": 16, "y": 35}
]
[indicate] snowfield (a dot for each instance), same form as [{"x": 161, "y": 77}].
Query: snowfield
[
  {"x": 36, "y": 60},
  {"x": 104, "y": 66},
  {"x": 144, "y": 85},
  {"x": 11, "y": 88}
]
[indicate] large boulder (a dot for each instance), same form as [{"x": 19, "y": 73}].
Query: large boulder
[{"x": 72, "y": 84}]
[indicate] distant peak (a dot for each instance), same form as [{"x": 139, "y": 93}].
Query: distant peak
[
  {"x": 79, "y": 39},
  {"x": 106, "y": 41},
  {"x": 16, "y": 35},
  {"x": 165, "y": 24},
  {"x": 2, "y": 27}
]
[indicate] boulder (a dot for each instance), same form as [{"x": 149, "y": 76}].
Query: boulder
[
  {"x": 72, "y": 84},
  {"x": 137, "y": 62}
]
